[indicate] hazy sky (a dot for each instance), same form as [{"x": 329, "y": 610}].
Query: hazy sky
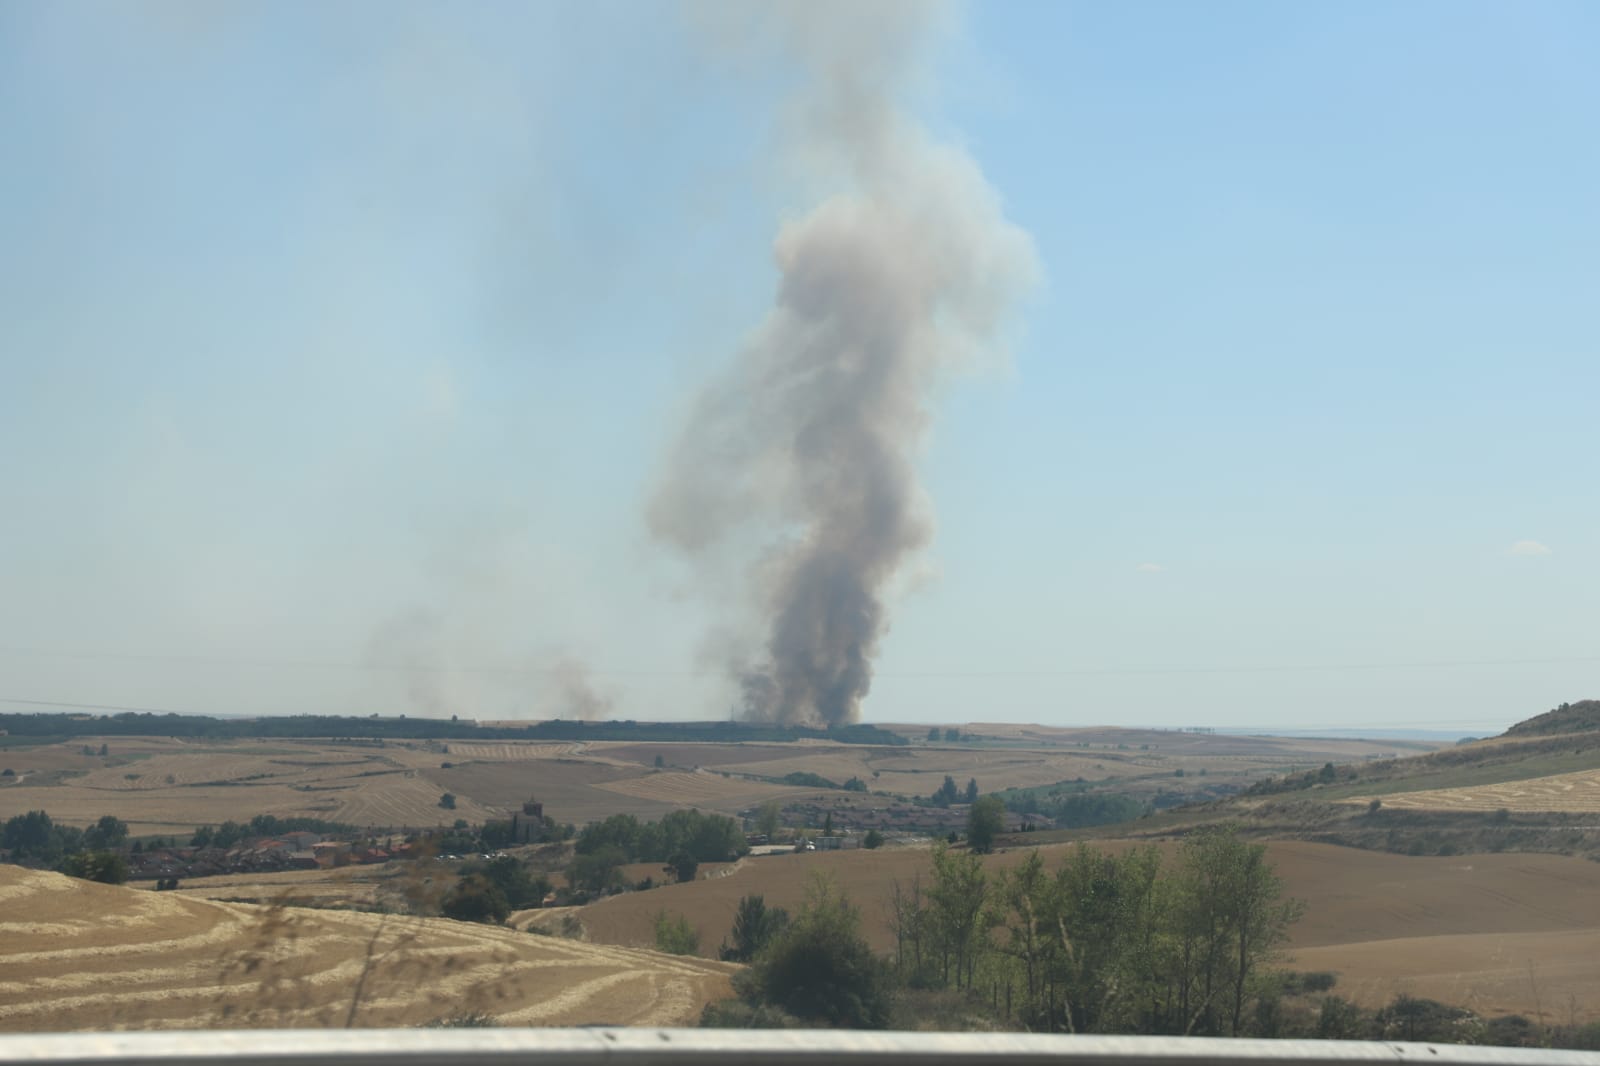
[{"x": 340, "y": 348}]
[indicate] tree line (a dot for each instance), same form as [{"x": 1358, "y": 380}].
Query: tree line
[
  {"x": 337, "y": 727},
  {"x": 93, "y": 853},
  {"x": 1108, "y": 942},
  {"x": 681, "y": 840}
]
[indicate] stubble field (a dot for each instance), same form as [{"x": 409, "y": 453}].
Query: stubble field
[
  {"x": 162, "y": 785},
  {"x": 79, "y": 955},
  {"x": 1557, "y": 793}
]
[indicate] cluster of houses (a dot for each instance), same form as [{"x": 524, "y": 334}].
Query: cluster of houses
[{"x": 288, "y": 851}]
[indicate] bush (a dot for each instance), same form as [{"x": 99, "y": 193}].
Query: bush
[
  {"x": 1339, "y": 1019},
  {"x": 873, "y": 839},
  {"x": 675, "y": 936},
  {"x": 107, "y": 867},
  {"x": 755, "y": 925},
  {"x": 448, "y": 801},
  {"x": 475, "y": 899},
  {"x": 1296, "y": 983},
  {"x": 597, "y": 871},
  {"x": 1585, "y": 1037},
  {"x": 820, "y": 968},
  {"x": 512, "y": 879},
  {"x": 737, "y": 1014},
  {"x": 683, "y": 866}
]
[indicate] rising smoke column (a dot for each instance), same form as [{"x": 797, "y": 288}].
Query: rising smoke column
[{"x": 805, "y": 445}]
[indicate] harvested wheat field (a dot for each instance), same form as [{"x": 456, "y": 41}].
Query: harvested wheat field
[
  {"x": 361, "y": 886},
  {"x": 78, "y": 955},
  {"x": 169, "y": 786},
  {"x": 1574, "y": 792},
  {"x": 701, "y": 788},
  {"x": 1372, "y": 916}
]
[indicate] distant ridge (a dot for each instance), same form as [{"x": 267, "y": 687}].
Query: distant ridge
[{"x": 1580, "y": 717}]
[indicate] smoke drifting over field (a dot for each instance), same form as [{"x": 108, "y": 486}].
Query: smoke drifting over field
[{"x": 904, "y": 273}]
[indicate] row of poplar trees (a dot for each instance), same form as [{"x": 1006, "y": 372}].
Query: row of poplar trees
[{"x": 1110, "y": 942}]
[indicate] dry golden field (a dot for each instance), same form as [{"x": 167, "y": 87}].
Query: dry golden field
[
  {"x": 1574, "y": 792},
  {"x": 1374, "y": 917},
  {"x": 162, "y": 785},
  {"x": 78, "y": 955},
  {"x": 701, "y": 788},
  {"x": 166, "y": 785}
]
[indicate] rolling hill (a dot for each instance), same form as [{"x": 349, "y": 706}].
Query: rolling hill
[{"x": 79, "y": 955}]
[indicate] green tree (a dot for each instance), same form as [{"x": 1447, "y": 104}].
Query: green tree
[
  {"x": 911, "y": 922},
  {"x": 985, "y": 822},
  {"x": 597, "y": 871},
  {"x": 511, "y": 877},
  {"x": 34, "y": 837},
  {"x": 821, "y": 969},
  {"x": 107, "y": 867},
  {"x": 109, "y": 833},
  {"x": 946, "y": 793},
  {"x": 958, "y": 898},
  {"x": 675, "y": 936},
  {"x": 755, "y": 925},
  {"x": 933, "y": 734},
  {"x": 873, "y": 839},
  {"x": 1109, "y": 915},
  {"x": 683, "y": 866},
  {"x": 767, "y": 819},
  {"x": 952, "y": 735},
  {"x": 30, "y": 835},
  {"x": 1230, "y": 918},
  {"x": 971, "y": 794},
  {"x": 475, "y": 899},
  {"x": 448, "y": 801}
]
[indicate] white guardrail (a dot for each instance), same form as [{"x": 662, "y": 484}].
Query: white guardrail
[{"x": 727, "y": 1047}]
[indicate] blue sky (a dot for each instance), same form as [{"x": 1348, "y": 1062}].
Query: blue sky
[{"x": 339, "y": 349}]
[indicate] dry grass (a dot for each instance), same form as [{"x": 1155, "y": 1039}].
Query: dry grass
[
  {"x": 76, "y": 955},
  {"x": 162, "y": 785},
  {"x": 1574, "y": 792}
]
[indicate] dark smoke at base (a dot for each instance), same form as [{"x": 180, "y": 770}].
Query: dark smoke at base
[{"x": 805, "y": 446}]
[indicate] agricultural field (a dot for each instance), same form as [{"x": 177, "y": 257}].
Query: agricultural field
[
  {"x": 1469, "y": 926},
  {"x": 162, "y": 785},
  {"x": 1571, "y": 792},
  {"x": 80, "y": 955}
]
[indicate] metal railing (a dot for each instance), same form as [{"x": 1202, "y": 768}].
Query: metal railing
[{"x": 727, "y": 1047}]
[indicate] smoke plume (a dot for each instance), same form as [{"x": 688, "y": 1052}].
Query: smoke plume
[
  {"x": 805, "y": 445},
  {"x": 576, "y": 695}
]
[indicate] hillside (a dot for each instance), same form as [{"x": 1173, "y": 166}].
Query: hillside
[
  {"x": 1466, "y": 930},
  {"x": 1534, "y": 789},
  {"x": 1580, "y": 717},
  {"x": 79, "y": 955}
]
